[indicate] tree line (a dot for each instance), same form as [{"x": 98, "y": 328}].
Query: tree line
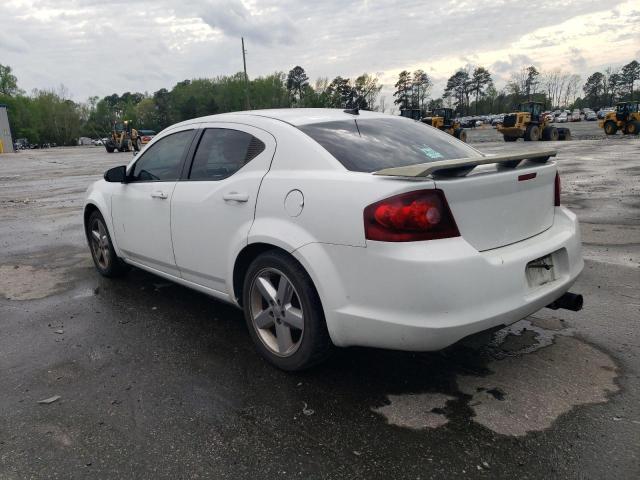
[
  {"x": 50, "y": 116},
  {"x": 471, "y": 90}
]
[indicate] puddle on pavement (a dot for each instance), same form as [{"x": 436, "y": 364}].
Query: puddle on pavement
[
  {"x": 537, "y": 371},
  {"x": 423, "y": 410},
  {"x": 20, "y": 281},
  {"x": 24, "y": 282}
]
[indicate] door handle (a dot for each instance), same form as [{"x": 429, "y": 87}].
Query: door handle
[
  {"x": 235, "y": 197},
  {"x": 160, "y": 195}
]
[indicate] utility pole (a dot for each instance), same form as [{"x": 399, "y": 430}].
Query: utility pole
[{"x": 246, "y": 78}]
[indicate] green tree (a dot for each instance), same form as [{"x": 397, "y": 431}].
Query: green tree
[
  {"x": 297, "y": 80},
  {"x": 630, "y": 74},
  {"x": 8, "y": 81},
  {"x": 594, "y": 88},
  {"x": 161, "y": 99},
  {"x": 366, "y": 91},
  {"x": 421, "y": 88},
  {"x": 403, "y": 90},
  {"x": 480, "y": 80},
  {"x": 457, "y": 90},
  {"x": 435, "y": 103},
  {"x": 146, "y": 115},
  {"x": 269, "y": 91},
  {"x": 616, "y": 87},
  {"x": 339, "y": 92},
  {"x": 531, "y": 82}
]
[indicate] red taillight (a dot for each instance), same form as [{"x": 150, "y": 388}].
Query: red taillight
[
  {"x": 146, "y": 139},
  {"x": 409, "y": 217},
  {"x": 556, "y": 195}
]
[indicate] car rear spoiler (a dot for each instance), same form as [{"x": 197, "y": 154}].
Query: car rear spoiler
[{"x": 456, "y": 166}]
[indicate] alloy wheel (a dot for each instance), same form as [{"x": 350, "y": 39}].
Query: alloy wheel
[
  {"x": 100, "y": 243},
  {"x": 276, "y": 312}
]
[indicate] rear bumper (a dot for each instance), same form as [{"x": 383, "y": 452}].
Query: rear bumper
[{"x": 427, "y": 295}]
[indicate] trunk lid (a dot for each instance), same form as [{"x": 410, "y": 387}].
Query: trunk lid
[{"x": 494, "y": 207}]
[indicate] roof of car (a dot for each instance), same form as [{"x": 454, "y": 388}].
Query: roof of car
[{"x": 297, "y": 116}]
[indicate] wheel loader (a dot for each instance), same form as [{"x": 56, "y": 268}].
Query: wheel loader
[
  {"x": 529, "y": 123},
  {"x": 122, "y": 138},
  {"x": 625, "y": 118},
  {"x": 442, "y": 119}
]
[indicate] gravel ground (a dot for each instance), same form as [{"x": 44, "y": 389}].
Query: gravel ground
[{"x": 157, "y": 381}]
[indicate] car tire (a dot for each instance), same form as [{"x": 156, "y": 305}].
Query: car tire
[
  {"x": 104, "y": 256},
  {"x": 285, "y": 320},
  {"x": 610, "y": 127}
]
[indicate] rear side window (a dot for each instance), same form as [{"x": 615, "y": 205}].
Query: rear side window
[
  {"x": 162, "y": 160},
  {"x": 368, "y": 145},
  {"x": 222, "y": 152}
]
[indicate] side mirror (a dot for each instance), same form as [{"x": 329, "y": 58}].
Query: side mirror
[{"x": 116, "y": 174}]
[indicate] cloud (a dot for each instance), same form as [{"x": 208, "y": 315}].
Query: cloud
[
  {"x": 234, "y": 19},
  {"x": 84, "y": 45},
  {"x": 513, "y": 64},
  {"x": 578, "y": 62}
]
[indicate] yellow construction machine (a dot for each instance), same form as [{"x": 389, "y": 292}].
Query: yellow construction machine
[
  {"x": 442, "y": 118},
  {"x": 529, "y": 123},
  {"x": 625, "y": 118},
  {"x": 122, "y": 138}
]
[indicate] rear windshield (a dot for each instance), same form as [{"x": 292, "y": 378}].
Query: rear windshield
[{"x": 368, "y": 145}]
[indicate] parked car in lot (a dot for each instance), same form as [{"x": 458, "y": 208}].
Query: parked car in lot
[
  {"x": 575, "y": 116},
  {"x": 562, "y": 118},
  {"x": 603, "y": 112},
  {"x": 549, "y": 117},
  {"x": 334, "y": 228},
  {"x": 145, "y": 136},
  {"x": 591, "y": 116}
]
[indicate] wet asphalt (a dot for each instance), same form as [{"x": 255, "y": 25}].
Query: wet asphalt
[{"x": 157, "y": 381}]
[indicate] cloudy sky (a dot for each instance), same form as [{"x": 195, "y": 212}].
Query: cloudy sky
[{"x": 98, "y": 47}]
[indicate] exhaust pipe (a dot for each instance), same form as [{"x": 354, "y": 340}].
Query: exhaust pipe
[{"x": 568, "y": 301}]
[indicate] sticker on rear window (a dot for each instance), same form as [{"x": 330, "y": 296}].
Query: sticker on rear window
[{"x": 430, "y": 152}]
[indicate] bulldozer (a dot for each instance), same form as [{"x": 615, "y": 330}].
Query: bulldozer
[
  {"x": 626, "y": 118},
  {"x": 442, "y": 119},
  {"x": 123, "y": 138},
  {"x": 529, "y": 123}
]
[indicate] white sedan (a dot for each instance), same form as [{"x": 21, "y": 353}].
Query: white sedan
[{"x": 339, "y": 228}]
